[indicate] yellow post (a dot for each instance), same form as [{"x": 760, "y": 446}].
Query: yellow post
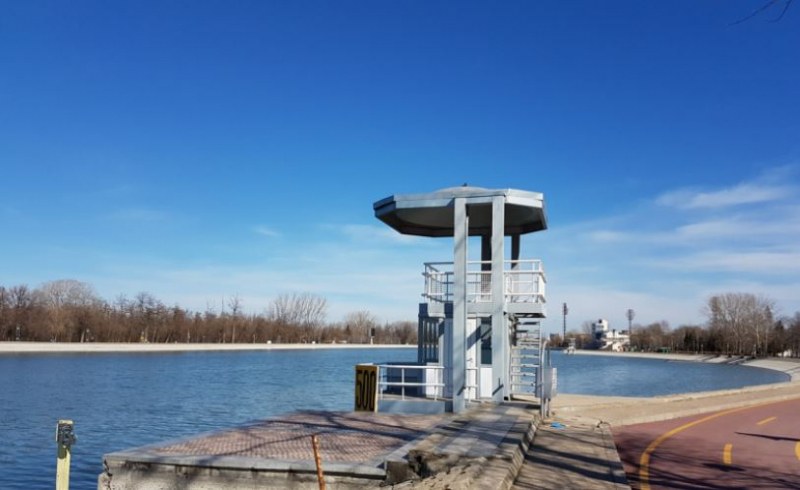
[{"x": 65, "y": 437}]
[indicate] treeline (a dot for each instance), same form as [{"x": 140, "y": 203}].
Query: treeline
[
  {"x": 71, "y": 311},
  {"x": 739, "y": 324}
]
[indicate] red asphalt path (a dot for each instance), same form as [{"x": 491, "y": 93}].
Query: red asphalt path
[{"x": 756, "y": 447}]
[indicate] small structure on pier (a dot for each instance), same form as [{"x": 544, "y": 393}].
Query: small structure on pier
[
  {"x": 479, "y": 322},
  {"x": 604, "y": 338}
]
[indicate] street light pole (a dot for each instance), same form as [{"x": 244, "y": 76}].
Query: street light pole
[{"x": 630, "y": 314}]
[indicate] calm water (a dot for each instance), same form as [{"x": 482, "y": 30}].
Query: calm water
[
  {"x": 123, "y": 400},
  {"x": 615, "y": 376}
]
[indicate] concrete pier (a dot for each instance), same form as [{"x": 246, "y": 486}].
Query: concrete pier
[{"x": 359, "y": 450}]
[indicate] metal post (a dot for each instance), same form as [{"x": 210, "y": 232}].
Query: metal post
[
  {"x": 403, "y": 383},
  {"x": 458, "y": 345},
  {"x": 500, "y": 367},
  {"x": 65, "y": 437}
]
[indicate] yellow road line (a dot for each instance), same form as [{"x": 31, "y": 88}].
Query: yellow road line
[
  {"x": 727, "y": 457},
  {"x": 644, "y": 460},
  {"x": 766, "y": 420},
  {"x": 797, "y": 450}
]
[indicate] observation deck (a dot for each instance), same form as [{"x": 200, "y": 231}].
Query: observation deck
[
  {"x": 523, "y": 287},
  {"x": 479, "y": 320}
]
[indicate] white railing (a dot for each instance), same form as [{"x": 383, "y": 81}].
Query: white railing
[
  {"x": 524, "y": 281},
  {"x": 429, "y": 380}
]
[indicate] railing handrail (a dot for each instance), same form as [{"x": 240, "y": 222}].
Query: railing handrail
[
  {"x": 524, "y": 281},
  {"x": 438, "y": 385},
  {"x": 484, "y": 262},
  {"x": 410, "y": 366}
]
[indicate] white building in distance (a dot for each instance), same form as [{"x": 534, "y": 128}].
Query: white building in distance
[{"x": 605, "y": 339}]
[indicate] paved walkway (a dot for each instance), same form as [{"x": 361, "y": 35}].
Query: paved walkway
[{"x": 572, "y": 453}]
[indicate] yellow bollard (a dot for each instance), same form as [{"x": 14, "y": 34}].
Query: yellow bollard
[{"x": 65, "y": 437}]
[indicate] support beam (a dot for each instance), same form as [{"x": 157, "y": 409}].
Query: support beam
[
  {"x": 458, "y": 346},
  {"x": 500, "y": 355},
  {"x": 515, "y": 251},
  {"x": 486, "y": 252}
]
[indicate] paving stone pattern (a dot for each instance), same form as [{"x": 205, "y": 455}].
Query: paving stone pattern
[{"x": 344, "y": 437}]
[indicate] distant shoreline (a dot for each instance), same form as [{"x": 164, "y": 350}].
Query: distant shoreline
[
  {"x": 112, "y": 347},
  {"x": 647, "y": 355},
  {"x": 789, "y": 366}
]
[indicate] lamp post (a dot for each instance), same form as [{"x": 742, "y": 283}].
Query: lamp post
[{"x": 630, "y": 314}]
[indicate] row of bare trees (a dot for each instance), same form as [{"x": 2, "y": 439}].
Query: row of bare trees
[
  {"x": 71, "y": 311},
  {"x": 741, "y": 324}
]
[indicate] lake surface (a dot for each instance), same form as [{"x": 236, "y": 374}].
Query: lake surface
[{"x": 122, "y": 400}]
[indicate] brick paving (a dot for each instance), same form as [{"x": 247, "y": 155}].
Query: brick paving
[{"x": 345, "y": 437}]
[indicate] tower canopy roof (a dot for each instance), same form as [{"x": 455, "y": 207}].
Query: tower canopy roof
[{"x": 432, "y": 214}]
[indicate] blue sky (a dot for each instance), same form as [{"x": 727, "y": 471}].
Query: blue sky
[{"x": 197, "y": 150}]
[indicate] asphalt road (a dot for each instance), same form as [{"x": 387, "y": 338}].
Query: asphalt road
[{"x": 755, "y": 447}]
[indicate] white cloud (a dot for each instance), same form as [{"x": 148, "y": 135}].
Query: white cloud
[
  {"x": 379, "y": 234},
  {"x": 759, "y": 263},
  {"x": 763, "y": 226},
  {"x": 771, "y": 186},
  {"x": 664, "y": 264},
  {"x": 266, "y": 231},
  {"x": 608, "y": 236}
]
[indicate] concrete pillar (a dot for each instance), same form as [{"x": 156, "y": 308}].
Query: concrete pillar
[
  {"x": 499, "y": 328},
  {"x": 458, "y": 346}
]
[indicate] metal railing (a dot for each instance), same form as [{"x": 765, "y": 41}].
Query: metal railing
[
  {"x": 524, "y": 281},
  {"x": 389, "y": 378}
]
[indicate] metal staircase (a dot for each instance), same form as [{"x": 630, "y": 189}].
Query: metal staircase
[{"x": 526, "y": 357}]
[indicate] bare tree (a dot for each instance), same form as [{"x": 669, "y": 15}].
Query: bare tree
[
  {"x": 303, "y": 310},
  {"x": 359, "y": 325},
  {"x": 235, "y": 305},
  {"x": 742, "y": 320},
  {"x": 60, "y": 298}
]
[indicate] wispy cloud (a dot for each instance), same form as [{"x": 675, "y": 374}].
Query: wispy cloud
[
  {"x": 608, "y": 236},
  {"x": 770, "y": 186},
  {"x": 376, "y": 234},
  {"x": 733, "y": 196},
  {"x": 666, "y": 256},
  {"x": 762, "y": 225},
  {"x": 664, "y": 262},
  {"x": 266, "y": 231},
  {"x": 759, "y": 263}
]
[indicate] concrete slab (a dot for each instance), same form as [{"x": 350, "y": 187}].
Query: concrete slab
[
  {"x": 482, "y": 448},
  {"x": 575, "y": 452},
  {"x": 273, "y": 453}
]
